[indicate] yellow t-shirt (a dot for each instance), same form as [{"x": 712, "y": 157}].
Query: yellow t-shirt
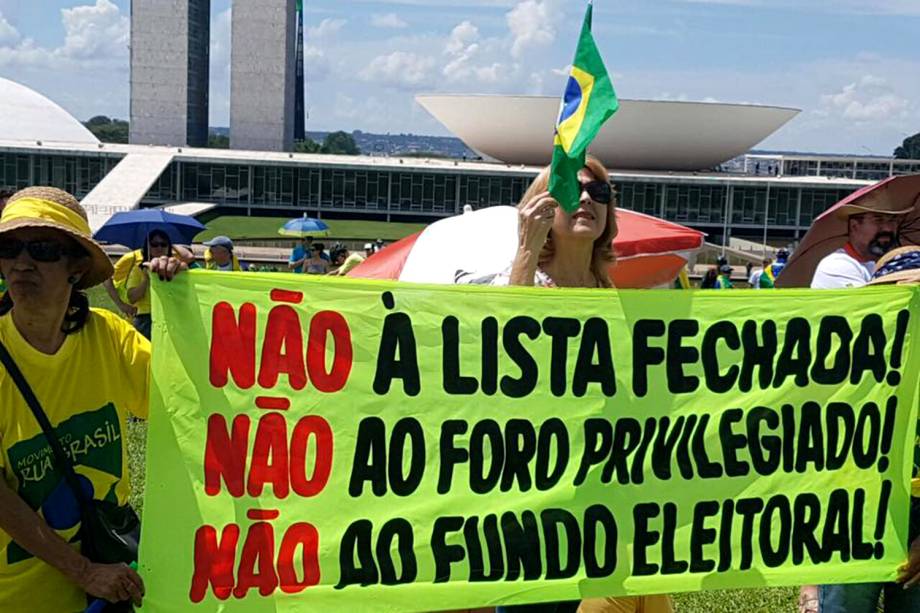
[
  {"x": 350, "y": 262},
  {"x": 210, "y": 264},
  {"x": 87, "y": 389},
  {"x": 128, "y": 275}
]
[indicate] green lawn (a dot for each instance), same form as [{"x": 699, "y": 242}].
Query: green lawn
[
  {"x": 241, "y": 228},
  {"x": 720, "y": 601}
]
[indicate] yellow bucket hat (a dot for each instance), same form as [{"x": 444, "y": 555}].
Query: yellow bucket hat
[{"x": 49, "y": 207}]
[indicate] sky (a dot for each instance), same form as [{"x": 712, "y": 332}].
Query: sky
[{"x": 851, "y": 66}]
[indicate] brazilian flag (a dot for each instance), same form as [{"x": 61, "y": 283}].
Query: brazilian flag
[{"x": 588, "y": 102}]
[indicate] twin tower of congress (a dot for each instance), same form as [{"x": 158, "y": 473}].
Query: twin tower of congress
[{"x": 170, "y": 54}]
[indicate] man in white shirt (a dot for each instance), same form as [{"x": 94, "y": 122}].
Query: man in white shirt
[
  {"x": 871, "y": 234},
  {"x": 754, "y": 279}
]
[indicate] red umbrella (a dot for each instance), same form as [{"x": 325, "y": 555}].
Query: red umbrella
[
  {"x": 830, "y": 230},
  {"x": 650, "y": 251}
]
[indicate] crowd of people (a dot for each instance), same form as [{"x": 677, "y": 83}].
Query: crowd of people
[
  {"x": 720, "y": 275},
  {"x": 129, "y": 286},
  {"x": 84, "y": 367}
]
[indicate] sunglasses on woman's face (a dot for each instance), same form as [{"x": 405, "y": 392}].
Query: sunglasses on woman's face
[
  {"x": 159, "y": 245},
  {"x": 599, "y": 191},
  {"x": 47, "y": 251}
]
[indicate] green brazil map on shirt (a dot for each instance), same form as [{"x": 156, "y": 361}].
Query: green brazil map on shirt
[{"x": 93, "y": 440}]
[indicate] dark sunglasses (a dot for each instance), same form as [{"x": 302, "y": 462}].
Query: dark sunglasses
[
  {"x": 40, "y": 250},
  {"x": 599, "y": 191},
  {"x": 159, "y": 245}
]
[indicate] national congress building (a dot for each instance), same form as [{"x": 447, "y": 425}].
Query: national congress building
[{"x": 668, "y": 159}]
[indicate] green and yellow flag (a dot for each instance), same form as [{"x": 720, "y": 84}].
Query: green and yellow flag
[{"x": 588, "y": 102}]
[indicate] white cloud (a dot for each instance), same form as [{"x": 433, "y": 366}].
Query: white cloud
[
  {"x": 389, "y": 20},
  {"x": 447, "y": 3},
  {"x": 532, "y": 24},
  {"x": 462, "y": 48},
  {"x": 490, "y": 74},
  {"x": 316, "y": 64},
  {"x": 326, "y": 28},
  {"x": 220, "y": 42},
  {"x": 461, "y": 37},
  {"x": 875, "y": 7},
  {"x": 26, "y": 54},
  {"x": 91, "y": 31},
  {"x": 870, "y": 99},
  {"x": 94, "y": 35},
  {"x": 399, "y": 69},
  {"x": 8, "y": 34},
  {"x": 219, "y": 99}
]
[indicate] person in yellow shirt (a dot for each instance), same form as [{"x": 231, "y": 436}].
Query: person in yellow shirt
[
  {"x": 132, "y": 281},
  {"x": 345, "y": 261},
  {"x": 5, "y": 194},
  {"x": 129, "y": 290},
  {"x": 220, "y": 256},
  {"x": 89, "y": 370}
]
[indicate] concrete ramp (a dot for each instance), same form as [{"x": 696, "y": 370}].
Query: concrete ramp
[
  {"x": 125, "y": 186},
  {"x": 188, "y": 208}
]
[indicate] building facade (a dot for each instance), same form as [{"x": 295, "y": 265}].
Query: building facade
[
  {"x": 248, "y": 183},
  {"x": 262, "y": 75},
  {"x": 861, "y": 168},
  {"x": 170, "y": 55}
]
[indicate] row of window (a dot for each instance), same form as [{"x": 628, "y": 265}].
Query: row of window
[
  {"x": 77, "y": 175},
  {"x": 304, "y": 187},
  {"x": 707, "y": 204},
  {"x": 863, "y": 171}
]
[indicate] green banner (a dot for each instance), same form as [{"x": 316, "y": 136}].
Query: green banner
[{"x": 353, "y": 445}]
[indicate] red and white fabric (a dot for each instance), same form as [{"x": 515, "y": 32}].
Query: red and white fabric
[{"x": 650, "y": 252}]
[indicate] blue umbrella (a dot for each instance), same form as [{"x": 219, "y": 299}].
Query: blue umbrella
[
  {"x": 303, "y": 227},
  {"x": 131, "y": 228}
]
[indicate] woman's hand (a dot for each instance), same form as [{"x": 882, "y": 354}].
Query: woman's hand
[
  {"x": 536, "y": 219},
  {"x": 129, "y": 310},
  {"x": 166, "y": 268},
  {"x": 113, "y": 582},
  {"x": 910, "y": 571}
]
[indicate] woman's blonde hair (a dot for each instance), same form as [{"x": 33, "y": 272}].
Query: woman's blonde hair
[{"x": 602, "y": 256}]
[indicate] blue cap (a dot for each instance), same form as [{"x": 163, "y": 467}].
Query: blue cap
[{"x": 220, "y": 241}]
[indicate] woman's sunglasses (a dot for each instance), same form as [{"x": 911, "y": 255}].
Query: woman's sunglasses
[
  {"x": 159, "y": 245},
  {"x": 39, "y": 250},
  {"x": 599, "y": 191}
]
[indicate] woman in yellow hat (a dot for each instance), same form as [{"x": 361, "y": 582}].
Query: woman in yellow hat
[{"x": 88, "y": 370}]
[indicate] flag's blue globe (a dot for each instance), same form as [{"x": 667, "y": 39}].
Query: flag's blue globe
[{"x": 571, "y": 100}]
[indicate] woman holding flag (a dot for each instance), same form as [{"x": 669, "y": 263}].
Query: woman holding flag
[
  {"x": 558, "y": 248},
  {"x": 567, "y": 222}
]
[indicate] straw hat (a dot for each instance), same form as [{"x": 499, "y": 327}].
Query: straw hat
[
  {"x": 901, "y": 265},
  {"x": 49, "y": 207},
  {"x": 882, "y": 200}
]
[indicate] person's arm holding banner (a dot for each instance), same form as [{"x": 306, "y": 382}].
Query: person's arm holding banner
[
  {"x": 910, "y": 572},
  {"x": 129, "y": 310},
  {"x": 166, "y": 268},
  {"x": 115, "y": 286},
  {"x": 137, "y": 292},
  {"x": 114, "y": 582}
]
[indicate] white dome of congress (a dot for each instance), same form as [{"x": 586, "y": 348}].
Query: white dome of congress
[
  {"x": 26, "y": 115},
  {"x": 643, "y": 135}
]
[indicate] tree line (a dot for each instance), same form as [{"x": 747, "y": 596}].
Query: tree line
[{"x": 111, "y": 130}]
